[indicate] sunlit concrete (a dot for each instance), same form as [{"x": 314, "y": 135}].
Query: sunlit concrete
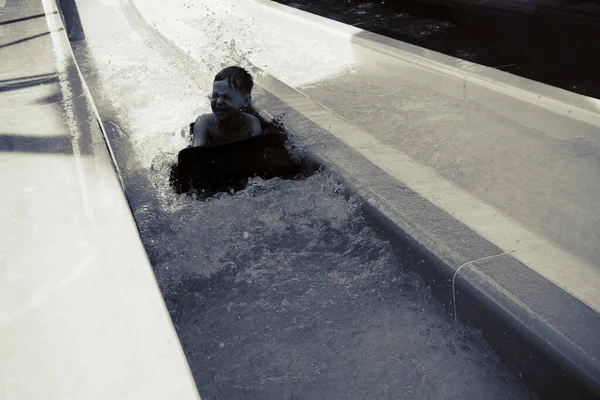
[{"x": 81, "y": 316}]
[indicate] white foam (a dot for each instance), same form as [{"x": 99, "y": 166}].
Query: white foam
[{"x": 260, "y": 36}]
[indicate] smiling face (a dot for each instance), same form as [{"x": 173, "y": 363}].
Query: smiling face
[{"x": 226, "y": 102}]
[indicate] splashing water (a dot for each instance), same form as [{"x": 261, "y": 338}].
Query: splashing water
[{"x": 281, "y": 290}]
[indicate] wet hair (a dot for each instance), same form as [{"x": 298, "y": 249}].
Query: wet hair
[{"x": 238, "y": 79}]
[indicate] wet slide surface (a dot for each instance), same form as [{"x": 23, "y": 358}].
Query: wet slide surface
[
  {"x": 282, "y": 290},
  {"x": 535, "y": 166}
]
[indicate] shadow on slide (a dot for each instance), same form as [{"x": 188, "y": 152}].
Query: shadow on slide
[{"x": 71, "y": 19}]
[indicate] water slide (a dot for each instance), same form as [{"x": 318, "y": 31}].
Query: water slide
[{"x": 478, "y": 184}]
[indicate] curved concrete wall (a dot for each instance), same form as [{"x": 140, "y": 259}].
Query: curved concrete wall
[{"x": 81, "y": 315}]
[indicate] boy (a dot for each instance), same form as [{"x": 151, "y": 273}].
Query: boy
[{"x": 231, "y": 95}]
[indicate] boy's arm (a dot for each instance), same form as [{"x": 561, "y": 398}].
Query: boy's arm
[{"x": 200, "y": 134}]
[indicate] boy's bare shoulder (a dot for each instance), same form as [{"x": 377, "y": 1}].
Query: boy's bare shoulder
[
  {"x": 253, "y": 123},
  {"x": 206, "y": 118},
  {"x": 249, "y": 117}
]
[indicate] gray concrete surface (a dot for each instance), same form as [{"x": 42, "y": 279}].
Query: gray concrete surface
[
  {"x": 546, "y": 182},
  {"x": 2, "y": 4},
  {"x": 81, "y": 316}
]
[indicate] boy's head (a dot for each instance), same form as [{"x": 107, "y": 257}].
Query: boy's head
[{"x": 231, "y": 92}]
